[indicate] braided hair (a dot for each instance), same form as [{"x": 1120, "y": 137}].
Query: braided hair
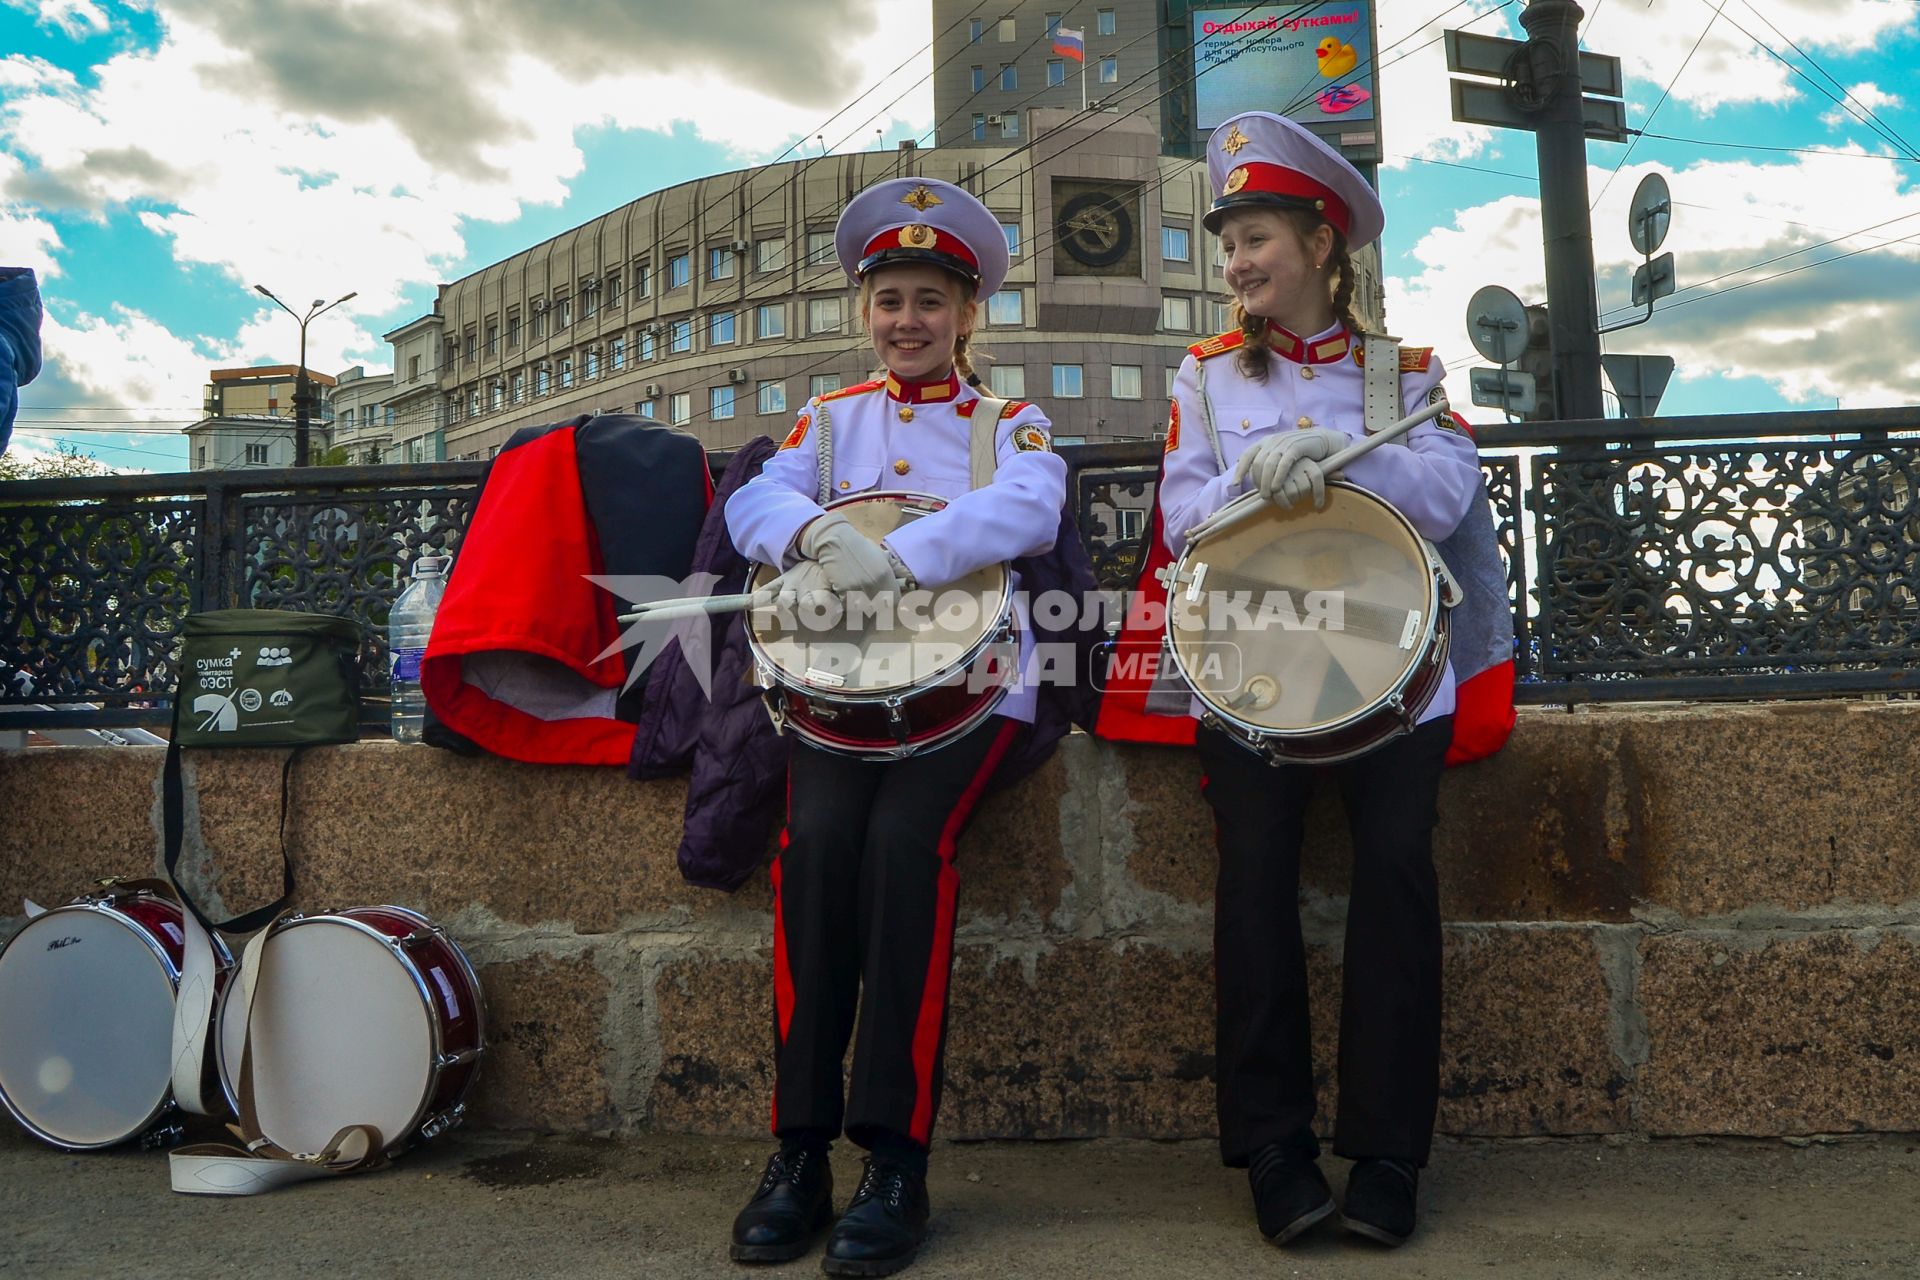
[{"x": 1341, "y": 279}]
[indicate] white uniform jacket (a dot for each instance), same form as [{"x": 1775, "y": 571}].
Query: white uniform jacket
[
  {"x": 1317, "y": 383},
  {"x": 889, "y": 436}
]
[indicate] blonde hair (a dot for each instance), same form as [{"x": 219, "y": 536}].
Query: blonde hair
[
  {"x": 964, "y": 300},
  {"x": 1252, "y": 355}
]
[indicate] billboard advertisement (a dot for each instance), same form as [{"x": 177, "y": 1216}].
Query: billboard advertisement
[{"x": 1314, "y": 64}]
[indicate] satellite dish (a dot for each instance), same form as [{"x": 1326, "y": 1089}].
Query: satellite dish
[
  {"x": 1649, "y": 215},
  {"x": 1497, "y": 324}
]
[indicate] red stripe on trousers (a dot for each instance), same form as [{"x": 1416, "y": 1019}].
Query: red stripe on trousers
[
  {"x": 933, "y": 995},
  {"x": 782, "y": 973}
]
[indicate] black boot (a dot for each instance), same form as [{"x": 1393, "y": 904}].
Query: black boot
[
  {"x": 790, "y": 1206},
  {"x": 1290, "y": 1194},
  {"x": 884, "y": 1223},
  {"x": 1380, "y": 1200}
]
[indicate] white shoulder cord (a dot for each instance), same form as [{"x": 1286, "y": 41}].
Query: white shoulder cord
[
  {"x": 823, "y": 453},
  {"x": 1206, "y": 416}
]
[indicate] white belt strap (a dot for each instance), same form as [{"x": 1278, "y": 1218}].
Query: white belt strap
[
  {"x": 1381, "y": 355},
  {"x": 192, "y": 1014},
  {"x": 982, "y": 458}
]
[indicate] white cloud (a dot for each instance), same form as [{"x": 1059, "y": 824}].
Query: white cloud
[
  {"x": 1836, "y": 331},
  {"x": 1863, "y": 99},
  {"x": 77, "y": 19},
  {"x": 129, "y": 361}
]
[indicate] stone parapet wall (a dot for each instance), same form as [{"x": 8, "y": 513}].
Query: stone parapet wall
[{"x": 1661, "y": 921}]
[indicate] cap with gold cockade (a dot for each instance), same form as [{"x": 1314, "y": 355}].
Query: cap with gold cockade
[
  {"x": 922, "y": 220},
  {"x": 1259, "y": 159}
]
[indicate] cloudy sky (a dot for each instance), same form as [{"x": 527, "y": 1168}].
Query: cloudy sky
[{"x": 159, "y": 157}]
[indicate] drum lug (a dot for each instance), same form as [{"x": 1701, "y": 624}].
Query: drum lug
[
  {"x": 164, "y": 1135},
  {"x": 447, "y": 1060},
  {"x": 444, "y": 1121},
  {"x": 419, "y": 936}
]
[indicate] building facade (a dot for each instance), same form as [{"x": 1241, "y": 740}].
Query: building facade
[
  {"x": 364, "y": 416},
  {"x": 248, "y": 418}
]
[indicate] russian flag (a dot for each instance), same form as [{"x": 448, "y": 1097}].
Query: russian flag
[{"x": 1069, "y": 43}]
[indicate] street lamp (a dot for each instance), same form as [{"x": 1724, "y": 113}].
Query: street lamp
[{"x": 301, "y": 396}]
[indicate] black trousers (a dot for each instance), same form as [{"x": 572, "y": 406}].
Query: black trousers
[
  {"x": 1389, "y": 1064},
  {"x": 865, "y": 894}
]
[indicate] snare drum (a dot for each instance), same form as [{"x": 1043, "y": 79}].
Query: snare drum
[
  {"x": 366, "y": 1016},
  {"x": 86, "y": 1017},
  {"x": 915, "y": 676},
  {"x": 1311, "y": 636}
]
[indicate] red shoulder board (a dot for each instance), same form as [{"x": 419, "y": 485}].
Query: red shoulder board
[
  {"x": 856, "y": 389},
  {"x": 1014, "y": 406},
  {"x": 1173, "y": 425},
  {"x": 798, "y": 433},
  {"x": 1412, "y": 359},
  {"x": 1207, "y": 348}
]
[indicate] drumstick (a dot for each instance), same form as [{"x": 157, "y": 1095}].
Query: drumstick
[
  {"x": 694, "y": 606},
  {"x": 1226, "y": 517}
]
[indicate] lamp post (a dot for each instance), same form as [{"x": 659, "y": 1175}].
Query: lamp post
[{"x": 301, "y": 395}]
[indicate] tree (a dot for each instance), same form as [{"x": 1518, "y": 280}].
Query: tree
[{"x": 68, "y": 463}]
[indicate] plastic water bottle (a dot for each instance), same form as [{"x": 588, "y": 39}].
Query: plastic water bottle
[{"x": 409, "y": 623}]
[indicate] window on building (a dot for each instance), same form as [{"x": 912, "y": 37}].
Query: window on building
[
  {"x": 540, "y": 321},
  {"x": 473, "y": 402},
  {"x": 642, "y": 279},
  {"x": 613, "y": 289},
  {"x": 719, "y": 402},
  {"x": 770, "y": 255},
  {"x": 562, "y": 314},
  {"x": 825, "y": 315},
  {"x": 646, "y": 344},
  {"x": 680, "y": 336},
  {"x": 542, "y": 382},
  {"x": 680, "y": 408},
  {"x": 1004, "y": 307},
  {"x": 1053, "y": 24},
  {"x": 589, "y": 298},
  {"x": 1175, "y": 244},
  {"x": 496, "y": 395},
  {"x": 389, "y": 415},
  {"x": 566, "y": 371},
  {"x": 453, "y": 409},
  {"x": 821, "y": 383},
  {"x": 770, "y": 321},
  {"x": 645, "y": 409},
  {"x": 413, "y": 368},
  {"x": 719, "y": 264},
  {"x": 720, "y": 328},
  {"x": 200, "y": 455},
  {"x": 1009, "y": 76},
  {"x": 1105, "y": 23},
  {"x": 257, "y": 455},
  {"x": 513, "y": 330},
  {"x": 1010, "y": 125},
  {"x": 819, "y": 248},
  {"x": 975, "y": 28},
  {"x": 617, "y": 354},
  {"x": 592, "y": 363},
  {"x": 677, "y": 271},
  {"x": 519, "y": 388},
  {"x": 1011, "y": 230},
  {"x": 1006, "y": 31},
  {"x": 979, "y": 78},
  {"x": 470, "y": 343},
  {"x": 1126, "y": 382},
  {"x": 770, "y": 397},
  {"x": 1056, "y": 72},
  {"x": 1068, "y": 381},
  {"x": 1008, "y": 381},
  {"x": 493, "y": 339},
  {"x": 1220, "y": 317},
  {"x": 1172, "y": 372},
  {"x": 1176, "y": 315},
  {"x": 366, "y": 415},
  {"x": 979, "y": 127},
  {"x": 1109, "y": 70}
]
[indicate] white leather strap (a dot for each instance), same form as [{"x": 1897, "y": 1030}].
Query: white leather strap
[
  {"x": 983, "y": 460},
  {"x": 32, "y": 908},
  {"x": 192, "y": 1015},
  {"x": 1381, "y": 355}
]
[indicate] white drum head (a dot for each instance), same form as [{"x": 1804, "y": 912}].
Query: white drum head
[
  {"x": 340, "y": 1037},
  {"x": 1348, "y": 595},
  {"x": 86, "y": 1028}
]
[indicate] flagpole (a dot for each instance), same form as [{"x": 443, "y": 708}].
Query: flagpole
[{"x": 1083, "y": 75}]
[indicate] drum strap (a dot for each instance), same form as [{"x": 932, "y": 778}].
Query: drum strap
[
  {"x": 1381, "y": 357},
  {"x": 982, "y": 459},
  {"x": 218, "y": 1169}
]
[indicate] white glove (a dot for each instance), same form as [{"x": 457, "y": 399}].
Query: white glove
[
  {"x": 852, "y": 561},
  {"x": 1284, "y": 466},
  {"x": 804, "y": 585}
]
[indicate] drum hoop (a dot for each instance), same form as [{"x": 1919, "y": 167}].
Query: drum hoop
[
  {"x": 167, "y": 969},
  {"x": 412, "y": 970},
  {"x": 466, "y": 968},
  {"x": 990, "y": 635},
  {"x": 1426, "y": 641}
]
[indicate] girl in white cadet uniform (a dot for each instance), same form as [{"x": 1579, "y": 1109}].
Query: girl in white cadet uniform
[
  {"x": 864, "y": 884},
  {"x": 1286, "y": 393}
]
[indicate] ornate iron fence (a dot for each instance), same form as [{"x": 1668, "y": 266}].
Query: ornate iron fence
[{"x": 1748, "y": 556}]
